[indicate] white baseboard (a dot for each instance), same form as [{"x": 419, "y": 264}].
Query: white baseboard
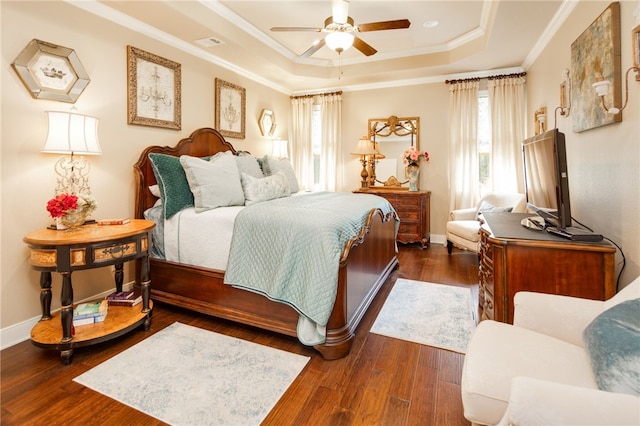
[
  {"x": 20, "y": 332},
  {"x": 439, "y": 239}
]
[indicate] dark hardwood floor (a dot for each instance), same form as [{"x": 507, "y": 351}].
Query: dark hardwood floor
[{"x": 383, "y": 381}]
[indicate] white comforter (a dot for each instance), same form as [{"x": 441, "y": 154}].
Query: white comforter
[{"x": 201, "y": 239}]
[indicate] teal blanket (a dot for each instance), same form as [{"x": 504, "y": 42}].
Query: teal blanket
[{"x": 289, "y": 249}]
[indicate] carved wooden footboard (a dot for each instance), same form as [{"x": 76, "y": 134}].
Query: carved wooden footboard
[{"x": 367, "y": 260}]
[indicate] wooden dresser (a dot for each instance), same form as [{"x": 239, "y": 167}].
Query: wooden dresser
[
  {"x": 413, "y": 209},
  {"x": 538, "y": 262}
]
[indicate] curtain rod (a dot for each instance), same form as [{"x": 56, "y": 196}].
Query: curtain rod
[
  {"x": 491, "y": 77},
  {"x": 316, "y": 94}
]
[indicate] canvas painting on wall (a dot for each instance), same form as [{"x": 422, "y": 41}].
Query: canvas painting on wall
[{"x": 595, "y": 55}]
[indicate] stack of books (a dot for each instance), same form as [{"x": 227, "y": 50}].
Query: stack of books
[
  {"x": 124, "y": 298},
  {"x": 89, "y": 313}
]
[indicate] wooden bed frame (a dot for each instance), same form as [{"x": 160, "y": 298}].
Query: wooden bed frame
[{"x": 366, "y": 263}]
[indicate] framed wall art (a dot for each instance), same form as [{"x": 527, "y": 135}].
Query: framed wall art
[
  {"x": 153, "y": 85},
  {"x": 595, "y": 55},
  {"x": 51, "y": 72},
  {"x": 230, "y": 109}
]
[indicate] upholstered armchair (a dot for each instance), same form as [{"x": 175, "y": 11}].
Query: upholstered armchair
[
  {"x": 463, "y": 227},
  {"x": 564, "y": 361}
]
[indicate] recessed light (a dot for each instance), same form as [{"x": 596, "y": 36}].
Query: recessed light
[
  {"x": 431, "y": 24},
  {"x": 209, "y": 42}
]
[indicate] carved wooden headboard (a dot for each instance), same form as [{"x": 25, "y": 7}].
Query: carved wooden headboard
[{"x": 201, "y": 143}]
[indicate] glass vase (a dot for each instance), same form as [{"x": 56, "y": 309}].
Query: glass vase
[{"x": 412, "y": 172}]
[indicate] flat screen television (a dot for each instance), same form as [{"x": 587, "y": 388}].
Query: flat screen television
[{"x": 546, "y": 179}]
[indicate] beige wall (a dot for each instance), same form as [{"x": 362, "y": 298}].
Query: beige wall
[
  {"x": 27, "y": 175},
  {"x": 603, "y": 163}
]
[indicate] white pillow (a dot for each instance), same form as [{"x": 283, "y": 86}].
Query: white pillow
[
  {"x": 214, "y": 183},
  {"x": 274, "y": 165},
  {"x": 248, "y": 164},
  {"x": 155, "y": 190},
  {"x": 264, "y": 189}
]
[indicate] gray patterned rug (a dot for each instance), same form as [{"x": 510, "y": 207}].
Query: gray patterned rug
[
  {"x": 185, "y": 375},
  {"x": 430, "y": 314}
]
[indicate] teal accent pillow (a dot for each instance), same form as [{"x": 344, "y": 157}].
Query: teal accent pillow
[
  {"x": 174, "y": 187},
  {"x": 612, "y": 341},
  {"x": 214, "y": 183},
  {"x": 488, "y": 207}
]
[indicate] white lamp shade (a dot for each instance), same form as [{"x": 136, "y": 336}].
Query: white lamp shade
[
  {"x": 279, "y": 149},
  {"x": 364, "y": 147},
  {"x": 339, "y": 40},
  {"x": 72, "y": 133}
]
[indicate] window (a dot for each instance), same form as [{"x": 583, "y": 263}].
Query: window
[{"x": 484, "y": 142}]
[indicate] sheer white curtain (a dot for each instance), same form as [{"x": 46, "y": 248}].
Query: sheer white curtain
[
  {"x": 302, "y": 140},
  {"x": 507, "y": 104},
  {"x": 463, "y": 144},
  {"x": 331, "y": 107}
]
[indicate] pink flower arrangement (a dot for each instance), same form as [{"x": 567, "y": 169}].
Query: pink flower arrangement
[
  {"x": 62, "y": 204},
  {"x": 411, "y": 156}
]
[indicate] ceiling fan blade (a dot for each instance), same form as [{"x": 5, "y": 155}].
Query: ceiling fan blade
[
  {"x": 363, "y": 47},
  {"x": 340, "y": 11},
  {"x": 384, "y": 25},
  {"x": 313, "y": 49},
  {"x": 317, "y": 30}
]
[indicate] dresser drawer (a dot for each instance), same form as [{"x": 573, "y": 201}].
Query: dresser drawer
[
  {"x": 408, "y": 216},
  {"x": 412, "y": 229},
  {"x": 412, "y": 209},
  {"x": 409, "y": 203}
]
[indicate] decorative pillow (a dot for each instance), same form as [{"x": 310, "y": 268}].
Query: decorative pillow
[
  {"x": 488, "y": 207},
  {"x": 174, "y": 187},
  {"x": 264, "y": 189},
  {"x": 272, "y": 165},
  {"x": 214, "y": 183},
  {"x": 155, "y": 190},
  {"x": 248, "y": 164},
  {"x": 612, "y": 341}
]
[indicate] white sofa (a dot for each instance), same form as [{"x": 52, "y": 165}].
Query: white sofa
[
  {"x": 463, "y": 227},
  {"x": 538, "y": 372}
]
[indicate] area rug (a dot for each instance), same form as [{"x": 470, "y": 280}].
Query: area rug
[
  {"x": 430, "y": 314},
  {"x": 185, "y": 375}
]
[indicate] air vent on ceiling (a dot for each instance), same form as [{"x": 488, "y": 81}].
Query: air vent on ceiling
[{"x": 210, "y": 42}]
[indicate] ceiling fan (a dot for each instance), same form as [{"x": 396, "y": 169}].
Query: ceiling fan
[{"x": 341, "y": 31}]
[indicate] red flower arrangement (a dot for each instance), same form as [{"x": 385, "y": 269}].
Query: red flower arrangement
[{"x": 61, "y": 204}]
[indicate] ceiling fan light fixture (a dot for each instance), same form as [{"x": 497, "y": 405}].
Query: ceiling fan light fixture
[{"x": 339, "y": 41}]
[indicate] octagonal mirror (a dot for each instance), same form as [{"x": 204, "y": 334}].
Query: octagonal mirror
[
  {"x": 267, "y": 122},
  {"x": 51, "y": 72}
]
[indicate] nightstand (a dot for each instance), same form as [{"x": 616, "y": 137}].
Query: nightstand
[
  {"x": 413, "y": 208},
  {"x": 88, "y": 247}
]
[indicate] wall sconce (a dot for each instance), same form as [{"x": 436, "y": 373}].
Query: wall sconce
[
  {"x": 540, "y": 117},
  {"x": 602, "y": 88},
  {"x": 279, "y": 148},
  {"x": 72, "y": 133},
  {"x": 364, "y": 149}
]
